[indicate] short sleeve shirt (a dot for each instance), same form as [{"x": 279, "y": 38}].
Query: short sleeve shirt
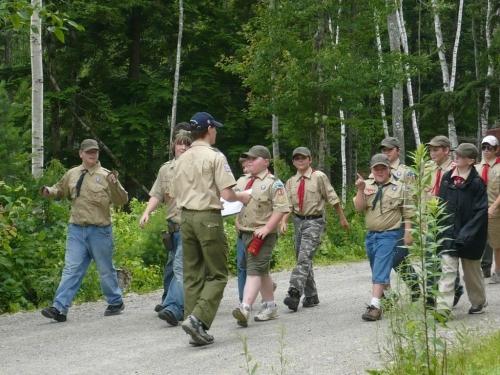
[
  {"x": 200, "y": 174},
  {"x": 433, "y": 168},
  {"x": 493, "y": 187},
  {"x": 160, "y": 190},
  {"x": 268, "y": 196},
  {"x": 317, "y": 192}
]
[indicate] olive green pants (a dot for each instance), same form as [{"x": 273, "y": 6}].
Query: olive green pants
[{"x": 205, "y": 263}]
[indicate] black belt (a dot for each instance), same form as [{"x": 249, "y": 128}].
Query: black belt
[
  {"x": 310, "y": 217},
  {"x": 209, "y": 210}
]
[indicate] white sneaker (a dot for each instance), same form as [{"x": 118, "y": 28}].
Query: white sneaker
[
  {"x": 495, "y": 278},
  {"x": 241, "y": 314},
  {"x": 267, "y": 313}
]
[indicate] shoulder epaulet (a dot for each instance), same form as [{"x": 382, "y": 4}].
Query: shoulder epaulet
[{"x": 105, "y": 170}]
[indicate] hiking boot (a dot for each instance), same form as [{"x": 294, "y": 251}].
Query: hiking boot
[
  {"x": 310, "y": 301},
  {"x": 114, "y": 309},
  {"x": 53, "y": 313},
  {"x": 169, "y": 317},
  {"x": 241, "y": 314},
  {"x": 458, "y": 294},
  {"x": 478, "y": 309},
  {"x": 293, "y": 299},
  {"x": 194, "y": 327},
  {"x": 495, "y": 278},
  {"x": 372, "y": 314},
  {"x": 267, "y": 313},
  {"x": 158, "y": 308}
]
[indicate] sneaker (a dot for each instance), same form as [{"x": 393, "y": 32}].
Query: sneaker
[
  {"x": 158, "y": 308},
  {"x": 310, "y": 301},
  {"x": 372, "y": 314},
  {"x": 293, "y": 299},
  {"x": 114, "y": 309},
  {"x": 241, "y": 314},
  {"x": 267, "y": 313},
  {"x": 53, "y": 313},
  {"x": 458, "y": 293},
  {"x": 169, "y": 317},
  {"x": 487, "y": 272},
  {"x": 194, "y": 327},
  {"x": 478, "y": 309},
  {"x": 495, "y": 278}
]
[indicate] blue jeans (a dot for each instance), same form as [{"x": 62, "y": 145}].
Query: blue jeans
[
  {"x": 241, "y": 265},
  {"x": 174, "y": 301},
  {"x": 83, "y": 244},
  {"x": 380, "y": 250}
]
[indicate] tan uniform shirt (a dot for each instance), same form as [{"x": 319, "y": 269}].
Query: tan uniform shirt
[
  {"x": 200, "y": 174},
  {"x": 160, "y": 191},
  {"x": 433, "y": 168},
  {"x": 92, "y": 207},
  {"x": 317, "y": 192},
  {"x": 268, "y": 196},
  {"x": 493, "y": 187},
  {"x": 390, "y": 210}
]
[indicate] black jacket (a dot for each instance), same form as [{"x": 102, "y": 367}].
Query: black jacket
[{"x": 467, "y": 207}]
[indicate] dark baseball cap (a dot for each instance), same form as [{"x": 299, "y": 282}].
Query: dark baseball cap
[
  {"x": 390, "y": 142},
  {"x": 467, "y": 150},
  {"x": 203, "y": 120},
  {"x": 379, "y": 159},
  {"x": 89, "y": 144},
  {"x": 257, "y": 151},
  {"x": 440, "y": 141},
  {"x": 301, "y": 151}
]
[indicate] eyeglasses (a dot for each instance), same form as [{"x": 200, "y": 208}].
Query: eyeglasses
[{"x": 488, "y": 147}]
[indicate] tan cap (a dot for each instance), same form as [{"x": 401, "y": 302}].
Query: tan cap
[
  {"x": 467, "y": 150},
  {"x": 89, "y": 144},
  {"x": 379, "y": 159},
  {"x": 301, "y": 151},
  {"x": 257, "y": 151},
  {"x": 390, "y": 142},
  {"x": 440, "y": 141},
  {"x": 491, "y": 140}
]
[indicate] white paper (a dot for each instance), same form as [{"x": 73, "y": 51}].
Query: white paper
[{"x": 232, "y": 208}]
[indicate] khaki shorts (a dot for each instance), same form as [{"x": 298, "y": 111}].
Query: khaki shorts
[
  {"x": 494, "y": 232},
  {"x": 259, "y": 265}
]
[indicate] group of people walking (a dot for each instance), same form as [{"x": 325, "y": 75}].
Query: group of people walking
[{"x": 194, "y": 186}]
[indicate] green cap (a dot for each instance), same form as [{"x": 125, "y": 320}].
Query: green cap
[
  {"x": 380, "y": 159},
  {"x": 257, "y": 151},
  {"x": 301, "y": 151},
  {"x": 440, "y": 141},
  {"x": 390, "y": 142},
  {"x": 89, "y": 144},
  {"x": 467, "y": 150}
]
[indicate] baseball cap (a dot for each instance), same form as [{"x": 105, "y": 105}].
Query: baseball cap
[
  {"x": 390, "y": 142},
  {"x": 202, "y": 120},
  {"x": 89, "y": 144},
  {"x": 301, "y": 151},
  {"x": 379, "y": 159},
  {"x": 440, "y": 141},
  {"x": 467, "y": 150},
  {"x": 491, "y": 140},
  {"x": 257, "y": 151}
]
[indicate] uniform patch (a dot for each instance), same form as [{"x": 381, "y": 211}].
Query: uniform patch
[
  {"x": 394, "y": 188},
  {"x": 227, "y": 168},
  {"x": 98, "y": 179},
  {"x": 263, "y": 187},
  {"x": 278, "y": 185},
  {"x": 398, "y": 174}
]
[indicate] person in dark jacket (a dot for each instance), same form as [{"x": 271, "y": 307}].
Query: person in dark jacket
[{"x": 464, "y": 194}]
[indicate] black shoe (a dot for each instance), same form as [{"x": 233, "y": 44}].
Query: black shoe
[
  {"x": 310, "y": 301},
  {"x": 53, "y": 313},
  {"x": 158, "y": 308},
  {"x": 169, "y": 317},
  {"x": 458, "y": 293},
  {"x": 293, "y": 299},
  {"x": 487, "y": 272},
  {"x": 478, "y": 309},
  {"x": 114, "y": 309},
  {"x": 194, "y": 327}
]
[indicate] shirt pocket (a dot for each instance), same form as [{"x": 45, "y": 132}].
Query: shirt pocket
[
  {"x": 98, "y": 194},
  {"x": 391, "y": 199},
  {"x": 313, "y": 193}
]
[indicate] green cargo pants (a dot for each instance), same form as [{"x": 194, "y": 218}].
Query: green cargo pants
[{"x": 205, "y": 263}]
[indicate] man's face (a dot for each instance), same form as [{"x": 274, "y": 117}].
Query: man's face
[
  {"x": 89, "y": 157},
  {"x": 301, "y": 162},
  {"x": 256, "y": 165},
  {"x": 439, "y": 154},
  {"x": 489, "y": 151},
  {"x": 381, "y": 173},
  {"x": 180, "y": 148},
  {"x": 391, "y": 153}
]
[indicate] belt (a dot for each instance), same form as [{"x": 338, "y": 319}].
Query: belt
[
  {"x": 209, "y": 210},
  {"x": 309, "y": 217},
  {"x": 383, "y": 231}
]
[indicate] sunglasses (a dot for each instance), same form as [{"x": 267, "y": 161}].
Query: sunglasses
[{"x": 488, "y": 147}]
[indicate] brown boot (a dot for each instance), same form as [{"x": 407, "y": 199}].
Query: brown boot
[{"x": 372, "y": 314}]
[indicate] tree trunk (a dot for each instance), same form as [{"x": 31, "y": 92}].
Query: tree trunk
[
  {"x": 476, "y": 70},
  {"x": 397, "y": 91},
  {"x": 380, "y": 63},
  {"x": 36, "y": 91},
  {"x": 276, "y": 144},
  {"x": 485, "y": 110},
  {"x": 173, "y": 118}
]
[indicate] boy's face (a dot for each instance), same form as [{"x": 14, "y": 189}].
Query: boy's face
[
  {"x": 301, "y": 162},
  {"x": 381, "y": 173},
  {"x": 257, "y": 165},
  {"x": 439, "y": 154},
  {"x": 464, "y": 162}
]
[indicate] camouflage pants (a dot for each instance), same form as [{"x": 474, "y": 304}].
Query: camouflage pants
[{"x": 307, "y": 240}]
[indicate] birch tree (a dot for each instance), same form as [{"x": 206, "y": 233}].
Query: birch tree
[
  {"x": 447, "y": 76},
  {"x": 36, "y": 90},
  {"x": 485, "y": 110},
  {"x": 274, "y": 117},
  {"x": 380, "y": 64},
  {"x": 173, "y": 117}
]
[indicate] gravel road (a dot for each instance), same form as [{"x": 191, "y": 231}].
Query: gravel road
[{"x": 328, "y": 339}]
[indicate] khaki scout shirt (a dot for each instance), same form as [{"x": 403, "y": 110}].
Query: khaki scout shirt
[
  {"x": 200, "y": 174},
  {"x": 317, "y": 192},
  {"x": 433, "y": 168},
  {"x": 268, "y": 196},
  {"x": 390, "y": 209},
  {"x": 493, "y": 187},
  {"x": 160, "y": 191},
  {"x": 92, "y": 207}
]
